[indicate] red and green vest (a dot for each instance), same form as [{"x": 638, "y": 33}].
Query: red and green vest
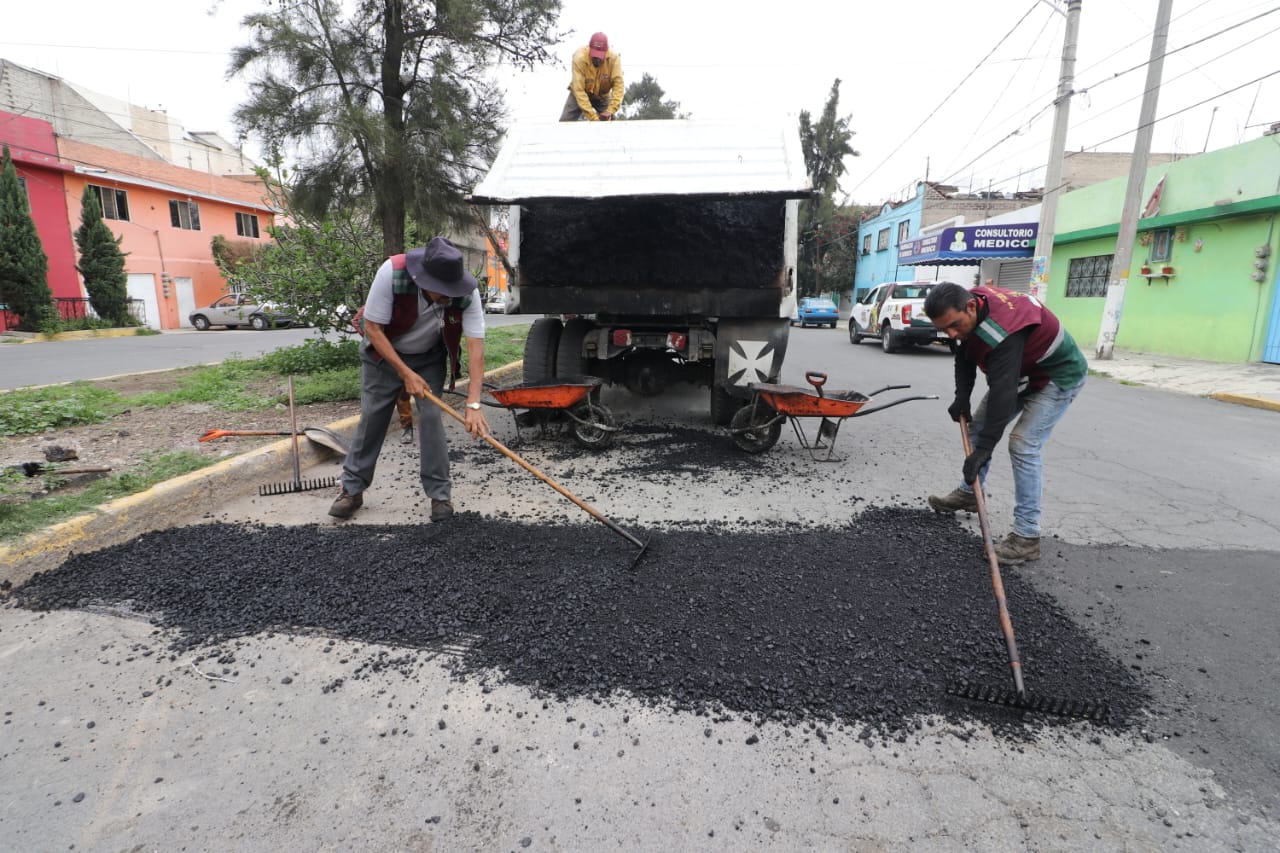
[
  {"x": 1050, "y": 353},
  {"x": 404, "y": 313}
]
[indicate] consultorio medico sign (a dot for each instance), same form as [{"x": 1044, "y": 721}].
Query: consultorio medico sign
[{"x": 971, "y": 244}]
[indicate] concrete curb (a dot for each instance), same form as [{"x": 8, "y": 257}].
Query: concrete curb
[
  {"x": 1246, "y": 400},
  {"x": 182, "y": 498}
]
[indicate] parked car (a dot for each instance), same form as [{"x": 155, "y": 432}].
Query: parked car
[
  {"x": 894, "y": 313},
  {"x": 496, "y": 303},
  {"x": 234, "y": 311},
  {"x": 817, "y": 311}
]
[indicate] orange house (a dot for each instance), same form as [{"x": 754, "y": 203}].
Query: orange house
[{"x": 166, "y": 217}]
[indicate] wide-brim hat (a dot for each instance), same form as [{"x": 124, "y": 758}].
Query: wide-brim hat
[{"x": 438, "y": 267}]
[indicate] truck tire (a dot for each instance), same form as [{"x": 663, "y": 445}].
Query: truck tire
[
  {"x": 540, "y": 351},
  {"x": 723, "y": 406},
  {"x": 569, "y": 360},
  {"x": 888, "y": 338}
]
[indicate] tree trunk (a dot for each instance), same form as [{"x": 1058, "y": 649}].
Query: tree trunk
[{"x": 391, "y": 178}]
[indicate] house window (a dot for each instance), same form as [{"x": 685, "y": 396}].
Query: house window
[
  {"x": 1089, "y": 276},
  {"x": 904, "y": 231},
  {"x": 866, "y": 245},
  {"x": 246, "y": 225},
  {"x": 22, "y": 182},
  {"x": 184, "y": 214},
  {"x": 115, "y": 203},
  {"x": 882, "y": 240},
  {"x": 1162, "y": 245}
]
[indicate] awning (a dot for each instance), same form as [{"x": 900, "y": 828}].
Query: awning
[{"x": 969, "y": 245}]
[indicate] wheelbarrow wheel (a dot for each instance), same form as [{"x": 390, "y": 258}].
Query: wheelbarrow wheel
[
  {"x": 589, "y": 432},
  {"x": 755, "y": 428}
]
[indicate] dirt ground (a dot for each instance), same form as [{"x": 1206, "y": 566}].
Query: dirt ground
[{"x": 126, "y": 440}]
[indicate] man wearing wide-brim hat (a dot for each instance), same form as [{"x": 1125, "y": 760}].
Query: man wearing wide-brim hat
[{"x": 421, "y": 305}]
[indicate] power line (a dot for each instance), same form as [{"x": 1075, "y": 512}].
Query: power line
[{"x": 934, "y": 111}]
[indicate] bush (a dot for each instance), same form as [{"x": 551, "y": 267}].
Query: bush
[{"x": 313, "y": 356}]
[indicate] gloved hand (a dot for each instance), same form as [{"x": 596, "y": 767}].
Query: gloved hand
[
  {"x": 960, "y": 409},
  {"x": 974, "y": 462}
]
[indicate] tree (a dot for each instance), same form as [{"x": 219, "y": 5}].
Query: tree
[
  {"x": 24, "y": 267},
  {"x": 643, "y": 100},
  {"x": 825, "y": 146},
  {"x": 102, "y": 262},
  {"x": 319, "y": 269},
  {"x": 385, "y": 103}
]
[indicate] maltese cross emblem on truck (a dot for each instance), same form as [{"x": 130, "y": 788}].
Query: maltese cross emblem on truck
[{"x": 750, "y": 361}]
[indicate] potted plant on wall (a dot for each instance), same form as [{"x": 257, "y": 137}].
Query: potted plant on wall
[
  {"x": 1146, "y": 270},
  {"x": 1166, "y": 270}
]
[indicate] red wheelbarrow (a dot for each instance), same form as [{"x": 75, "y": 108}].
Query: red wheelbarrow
[
  {"x": 756, "y": 426},
  {"x": 591, "y": 424}
]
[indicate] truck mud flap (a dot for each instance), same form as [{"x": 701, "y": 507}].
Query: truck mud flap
[{"x": 749, "y": 351}]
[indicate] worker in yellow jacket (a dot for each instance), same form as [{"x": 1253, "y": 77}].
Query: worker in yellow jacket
[{"x": 596, "y": 89}]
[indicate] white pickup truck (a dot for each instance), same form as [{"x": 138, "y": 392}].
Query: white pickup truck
[{"x": 894, "y": 313}]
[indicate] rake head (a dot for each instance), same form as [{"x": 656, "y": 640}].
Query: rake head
[
  {"x": 297, "y": 486},
  {"x": 1098, "y": 712}
]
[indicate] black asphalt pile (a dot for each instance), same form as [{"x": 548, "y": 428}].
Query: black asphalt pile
[{"x": 861, "y": 625}]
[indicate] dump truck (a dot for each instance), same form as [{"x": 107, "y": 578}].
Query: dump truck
[{"x": 657, "y": 252}]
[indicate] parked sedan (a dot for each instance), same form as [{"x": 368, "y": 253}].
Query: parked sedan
[
  {"x": 817, "y": 311},
  {"x": 497, "y": 303},
  {"x": 234, "y": 311}
]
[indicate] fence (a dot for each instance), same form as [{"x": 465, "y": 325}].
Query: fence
[{"x": 75, "y": 308}]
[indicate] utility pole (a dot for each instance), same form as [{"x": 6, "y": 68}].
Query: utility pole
[
  {"x": 1057, "y": 151},
  {"x": 1114, "y": 307}
]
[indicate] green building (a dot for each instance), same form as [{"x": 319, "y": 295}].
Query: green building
[{"x": 1203, "y": 281}]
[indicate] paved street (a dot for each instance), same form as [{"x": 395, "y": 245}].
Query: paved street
[
  {"x": 51, "y": 362},
  {"x": 1167, "y": 539}
]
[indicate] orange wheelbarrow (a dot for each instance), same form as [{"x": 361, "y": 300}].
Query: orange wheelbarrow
[
  {"x": 757, "y": 426},
  {"x": 591, "y": 424}
]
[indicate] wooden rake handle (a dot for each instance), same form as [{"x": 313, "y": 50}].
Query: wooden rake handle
[
  {"x": 997, "y": 583},
  {"x": 514, "y": 457}
]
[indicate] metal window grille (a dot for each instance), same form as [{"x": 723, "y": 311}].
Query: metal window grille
[{"x": 1089, "y": 276}]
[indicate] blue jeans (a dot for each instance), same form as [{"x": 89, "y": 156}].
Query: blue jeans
[
  {"x": 380, "y": 387},
  {"x": 1035, "y": 416}
]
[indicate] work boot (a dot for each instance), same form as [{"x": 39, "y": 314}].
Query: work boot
[
  {"x": 958, "y": 500},
  {"x": 441, "y": 510},
  {"x": 406, "y": 437},
  {"x": 1016, "y": 550},
  {"x": 346, "y": 504}
]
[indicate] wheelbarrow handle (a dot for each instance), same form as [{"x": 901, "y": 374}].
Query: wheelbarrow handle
[
  {"x": 502, "y": 448},
  {"x": 817, "y": 379}
]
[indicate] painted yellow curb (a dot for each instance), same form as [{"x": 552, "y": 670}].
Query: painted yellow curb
[
  {"x": 86, "y": 334},
  {"x": 1246, "y": 400},
  {"x": 174, "y": 501}
]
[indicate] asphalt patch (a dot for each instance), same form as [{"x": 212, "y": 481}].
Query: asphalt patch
[{"x": 862, "y": 624}]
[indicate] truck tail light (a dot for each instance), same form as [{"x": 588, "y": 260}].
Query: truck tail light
[
  {"x": 621, "y": 337},
  {"x": 906, "y": 314},
  {"x": 677, "y": 341}
]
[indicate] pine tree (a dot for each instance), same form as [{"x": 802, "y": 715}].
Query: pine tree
[
  {"x": 24, "y": 267},
  {"x": 102, "y": 262}
]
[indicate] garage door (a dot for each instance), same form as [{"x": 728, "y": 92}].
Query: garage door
[
  {"x": 1015, "y": 276},
  {"x": 142, "y": 285}
]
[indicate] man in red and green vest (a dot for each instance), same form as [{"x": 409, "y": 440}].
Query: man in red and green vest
[
  {"x": 1034, "y": 370},
  {"x": 421, "y": 305}
]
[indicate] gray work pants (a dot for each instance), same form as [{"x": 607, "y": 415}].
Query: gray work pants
[
  {"x": 380, "y": 385},
  {"x": 573, "y": 112}
]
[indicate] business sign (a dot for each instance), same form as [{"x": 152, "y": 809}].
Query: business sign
[{"x": 970, "y": 244}]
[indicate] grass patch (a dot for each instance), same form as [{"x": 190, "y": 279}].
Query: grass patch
[
  {"x": 331, "y": 386},
  {"x": 227, "y": 385},
  {"x": 32, "y": 410},
  {"x": 502, "y": 345},
  {"x": 19, "y": 518}
]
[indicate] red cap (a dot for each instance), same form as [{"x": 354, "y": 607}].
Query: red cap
[{"x": 599, "y": 46}]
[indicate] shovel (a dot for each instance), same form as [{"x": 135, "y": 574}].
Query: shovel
[
  {"x": 320, "y": 435},
  {"x": 32, "y": 469},
  {"x": 583, "y": 505}
]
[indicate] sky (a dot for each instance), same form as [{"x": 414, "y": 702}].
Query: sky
[{"x": 958, "y": 93}]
